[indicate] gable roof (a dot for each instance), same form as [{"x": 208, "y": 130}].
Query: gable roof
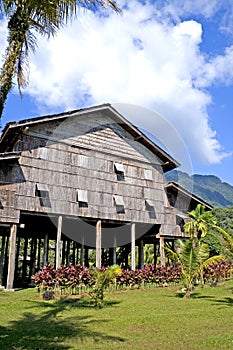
[
  {"x": 175, "y": 187},
  {"x": 13, "y": 129}
]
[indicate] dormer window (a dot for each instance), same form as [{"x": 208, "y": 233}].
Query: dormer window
[
  {"x": 82, "y": 198},
  {"x": 148, "y": 174},
  {"x": 43, "y": 153},
  {"x": 42, "y": 192},
  {"x": 120, "y": 171},
  {"x": 83, "y": 160},
  {"x": 150, "y": 207},
  {"x": 119, "y": 203}
]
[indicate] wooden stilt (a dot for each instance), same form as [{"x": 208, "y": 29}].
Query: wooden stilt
[
  {"x": 38, "y": 254},
  {"x": 2, "y": 259},
  {"x": 133, "y": 260},
  {"x": 141, "y": 254},
  {"x": 24, "y": 266},
  {"x": 86, "y": 257},
  {"x": 162, "y": 252},
  {"x": 11, "y": 262},
  {"x": 68, "y": 253},
  {"x": 32, "y": 257},
  {"x": 63, "y": 254},
  {"x": 46, "y": 244},
  {"x": 114, "y": 257},
  {"x": 98, "y": 244},
  {"x": 58, "y": 242},
  {"x": 5, "y": 268},
  {"x": 155, "y": 253},
  {"x": 82, "y": 252},
  {"x": 126, "y": 255},
  {"x": 16, "y": 277},
  {"x": 74, "y": 253}
]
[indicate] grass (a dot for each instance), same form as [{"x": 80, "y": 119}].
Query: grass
[{"x": 156, "y": 319}]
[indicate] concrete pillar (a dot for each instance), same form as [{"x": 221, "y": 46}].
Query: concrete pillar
[
  {"x": 133, "y": 259},
  {"x": 58, "y": 242},
  {"x": 98, "y": 244},
  {"x": 11, "y": 261}
]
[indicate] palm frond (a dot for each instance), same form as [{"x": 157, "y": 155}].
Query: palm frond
[
  {"x": 22, "y": 72},
  {"x": 212, "y": 260},
  {"x": 225, "y": 235},
  {"x": 202, "y": 252},
  {"x": 171, "y": 254}
]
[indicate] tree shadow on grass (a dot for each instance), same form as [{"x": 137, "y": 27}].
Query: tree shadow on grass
[
  {"x": 225, "y": 301},
  {"x": 193, "y": 295},
  {"x": 49, "y": 330}
]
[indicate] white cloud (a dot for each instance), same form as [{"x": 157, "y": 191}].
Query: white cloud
[{"x": 134, "y": 58}]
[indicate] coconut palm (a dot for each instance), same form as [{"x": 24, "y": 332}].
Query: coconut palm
[
  {"x": 25, "y": 19},
  {"x": 227, "y": 237},
  {"x": 193, "y": 257},
  {"x": 201, "y": 222}
]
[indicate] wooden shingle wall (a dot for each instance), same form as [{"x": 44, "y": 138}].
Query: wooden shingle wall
[
  {"x": 80, "y": 154},
  {"x": 10, "y": 174}
]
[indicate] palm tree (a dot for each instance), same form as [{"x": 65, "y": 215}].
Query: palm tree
[
  {"x": 227, "y": 237},
  {"x": 201, "y": 222},
  {"x": 26, "y": 18},
  {"x": 193, "y": 257}
]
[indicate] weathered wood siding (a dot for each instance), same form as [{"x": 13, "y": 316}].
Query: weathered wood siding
[
  {"x": 9, "y": 175},
  {"x": 81, "y": 154},
  {"x": 173, "y": 223}
]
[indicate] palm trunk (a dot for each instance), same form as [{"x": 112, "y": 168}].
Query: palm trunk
[
  {"x": 18, "y": 26},
  {"x": 8, "y": 71}
]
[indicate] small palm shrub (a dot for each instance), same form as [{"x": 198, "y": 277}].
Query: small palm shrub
[{"x": 101, "y": 279}]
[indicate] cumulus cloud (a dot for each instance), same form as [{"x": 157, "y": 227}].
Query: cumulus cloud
[{"x": 141, "y": 57}]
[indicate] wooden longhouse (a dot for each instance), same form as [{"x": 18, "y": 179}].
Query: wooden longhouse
[{"x": 79, "y": 180}]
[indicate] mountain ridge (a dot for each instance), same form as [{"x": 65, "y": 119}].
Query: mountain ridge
[{"x": 209, "y": 187}]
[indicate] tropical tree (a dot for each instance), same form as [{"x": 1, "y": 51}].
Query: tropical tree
[
  {"x": 26, "y": 18},
  {"x": 193, "y": 257},
  {"x": 102, "y": 278},
  {"x": 226, "y": 236},
  {"x": 201, "y": 222}
]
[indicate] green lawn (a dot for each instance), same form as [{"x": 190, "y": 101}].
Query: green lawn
[{"x": 156, "y": 319}]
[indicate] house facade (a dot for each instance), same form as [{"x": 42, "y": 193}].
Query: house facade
[{"x": 85, "y": 179}]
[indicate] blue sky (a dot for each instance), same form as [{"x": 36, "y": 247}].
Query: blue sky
[{"x": 172, "y": 57}]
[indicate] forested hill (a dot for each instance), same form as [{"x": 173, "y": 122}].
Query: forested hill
[{"x": 208, "y": 187}]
